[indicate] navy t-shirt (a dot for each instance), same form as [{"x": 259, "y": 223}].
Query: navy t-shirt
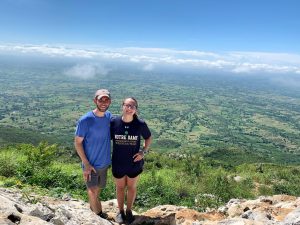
[{"x": 126, "y": 143}]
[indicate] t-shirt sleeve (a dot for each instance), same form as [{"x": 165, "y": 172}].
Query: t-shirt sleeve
[
  {"x": 81, "y": 128},
  {"x": 145, "y": 131},
  {"x": 112, "y": 120},
  {"x": 108, "y": 115}
]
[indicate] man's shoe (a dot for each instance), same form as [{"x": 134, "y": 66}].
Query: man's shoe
[
  {"x": 121, "y": 217},
  {"x": 129, "y": 216},
  {"x": 102, "y": 215}
]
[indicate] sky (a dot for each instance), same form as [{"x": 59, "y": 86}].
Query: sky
[{"x": 236, "y": 36}]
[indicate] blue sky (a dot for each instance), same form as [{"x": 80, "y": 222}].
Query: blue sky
[{"x": 238, "y": 35}]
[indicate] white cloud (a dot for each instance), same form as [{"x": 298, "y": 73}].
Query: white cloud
[
  {"x": 56, "y": 51},
  {"x": 148, "y": 67},
  {"x": 86, "y": 71},
  {"x": 152, "y": 58}
]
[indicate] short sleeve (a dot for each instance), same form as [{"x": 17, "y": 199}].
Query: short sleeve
[
  {"x": 145, "y": 131},
  {"x": 112, "y": 122},
  {"x": 81, "y": 128},
  {"x": 108, "y": 115}
]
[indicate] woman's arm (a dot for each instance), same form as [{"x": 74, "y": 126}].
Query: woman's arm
[
  {"x": 147, "y": 143},
  {"x": 140, "y": 155}
]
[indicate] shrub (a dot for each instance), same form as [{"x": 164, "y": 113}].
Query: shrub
[
  {"x": 54, "y": 177},
  {"x": 265, "y": 190},
  {"x": 7, "y": 166},
  {"x": 40, "y": 156},
  {"x": 153, "y": 191},
  {"x": 287, "y": 188},
  {"x": 243, "y": 189},
  {"x": 218, "y": 184}
]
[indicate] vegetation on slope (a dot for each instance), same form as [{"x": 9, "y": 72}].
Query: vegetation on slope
[{"x": 179, "y": 179}]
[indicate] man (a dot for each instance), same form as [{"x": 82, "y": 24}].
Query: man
[{"x": 92, "y": 143}]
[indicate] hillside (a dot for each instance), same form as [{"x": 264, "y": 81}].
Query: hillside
[{"x": 178, "y": 179}]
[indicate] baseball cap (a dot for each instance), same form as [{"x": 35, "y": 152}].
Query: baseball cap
[{"x": 101, "y": 93}]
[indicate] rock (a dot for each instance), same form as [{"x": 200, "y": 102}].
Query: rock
[
  {"x": 66, "y": 197},
  {"x": 293, "y": 218},
  {"x": 42, "y": 212},
  {"x": 168, "y": 219},
  {"x": 265, "y": 210},
  {"x": 238, "y": 178},
  {"x": 258, "y": 216}
]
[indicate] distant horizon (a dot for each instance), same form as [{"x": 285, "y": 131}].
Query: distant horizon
[
  {"x": 150, "y": 59},
  {"x": 235, "y": 37}
]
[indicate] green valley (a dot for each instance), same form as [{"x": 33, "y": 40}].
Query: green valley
[{"x": 245, "y": 118}]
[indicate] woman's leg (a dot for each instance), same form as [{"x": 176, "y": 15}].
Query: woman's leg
[
  {"x": 120, "y": 189},
  {"x": 131, "y": 191}
]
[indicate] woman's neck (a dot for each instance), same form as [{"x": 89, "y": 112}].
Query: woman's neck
[{"x": 127, "y": 119}]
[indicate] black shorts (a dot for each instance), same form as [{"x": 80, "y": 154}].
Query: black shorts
[{"x": 131, "y": 171}]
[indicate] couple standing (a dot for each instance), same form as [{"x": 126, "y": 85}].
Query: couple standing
[{"x": 92, "y": 142}]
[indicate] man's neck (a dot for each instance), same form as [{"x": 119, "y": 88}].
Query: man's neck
[{"x": 98, "y": 113}]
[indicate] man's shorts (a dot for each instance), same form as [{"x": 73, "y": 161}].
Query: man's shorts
[{"x": 98, "y": 179}]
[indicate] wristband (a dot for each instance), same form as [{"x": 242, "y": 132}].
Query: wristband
[{"x": 144, "y": 151}]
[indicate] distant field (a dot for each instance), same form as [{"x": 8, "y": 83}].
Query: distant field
[{"x": 215, "y": 115}]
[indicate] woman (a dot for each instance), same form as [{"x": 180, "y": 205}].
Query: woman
[{"x": 127, "y": 157}]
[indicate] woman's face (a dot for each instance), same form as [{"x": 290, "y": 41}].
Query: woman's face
[{"x": 129, "y": 107}]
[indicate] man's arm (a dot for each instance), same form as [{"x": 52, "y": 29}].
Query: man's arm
[{"x": 88, "y": 168}]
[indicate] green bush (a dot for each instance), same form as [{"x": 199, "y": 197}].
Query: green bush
[
  {"x": 287, "y": 188},
  {"x": 153, "y": 191},
  {"x": 40, "y": 156},
  {"x": 218, "y": 184},
  {"x": 49, "y": 177},
  {"x": 10, "y": 182},
  {"x": 7, "y": 165},
  {"x": 243, "y": 189},
  {"x": 265, "y": 190}
]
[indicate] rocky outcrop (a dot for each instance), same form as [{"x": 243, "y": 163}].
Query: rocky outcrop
[{"x": 272, "y": 210}]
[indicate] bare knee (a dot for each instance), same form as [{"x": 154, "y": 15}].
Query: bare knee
[
  {"x": 120, "y": 184},
  {"x": 120, "y": 187},
  {"x": 93, "y": 191},
  {"x": 131, "y": 187}
]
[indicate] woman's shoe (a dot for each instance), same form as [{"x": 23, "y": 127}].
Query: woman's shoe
[
  {"x": 121, "y": 217},
  {"x": 129, "y": 216}
]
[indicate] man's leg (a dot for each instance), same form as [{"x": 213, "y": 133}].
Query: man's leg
[
  {"x": 131, "y": 191},
  {"x": 93, "y": 194}
]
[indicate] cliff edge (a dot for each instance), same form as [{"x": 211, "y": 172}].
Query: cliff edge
[{"x": 17, "y": 208}]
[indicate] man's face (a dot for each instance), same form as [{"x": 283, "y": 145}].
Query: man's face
[{"x": 102, "y": 103}]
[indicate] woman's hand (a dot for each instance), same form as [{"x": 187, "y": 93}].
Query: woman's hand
[{"x": 138, "y": 156}]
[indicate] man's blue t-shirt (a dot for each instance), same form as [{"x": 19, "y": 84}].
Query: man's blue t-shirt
[{"x": 96, "y": 143}]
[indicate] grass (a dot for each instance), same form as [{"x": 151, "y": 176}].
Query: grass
[{"x": 188, "y": 181}]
